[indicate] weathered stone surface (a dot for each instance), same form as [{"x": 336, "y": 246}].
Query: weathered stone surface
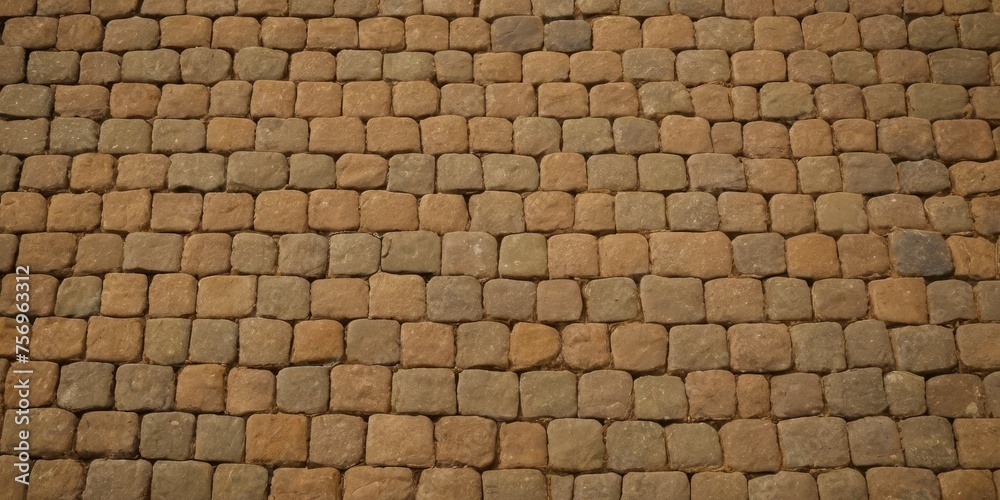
[
  {"x": 759, "y": 348},
  {"x": 426, "y": 391},
  {"x": 711, "y": 395},
  {"x": 796, "y": 395},
  {"x": 855, "y": 393},
  {"x": 488, "y": 394},
  {"x": 928, "y": 442},
  {"x": 277, "y": 439},
  {"x": 750, "y": 445},
  {"x": 693, "y": 447},
  {"x": 635, "y": 446},
  {"x": 812, "y": 442},
  {"x": 575, "y": 445},
  {"x": 465, "y": 441},
  {"x": 924, "y": 349},
  {"x": 546, "y": 249},
  {"x": 956, "y": 396},
  {"x": 874, "y": 441},
  {"x": 919, "y": 253},
  {"x": 884, "y": 481},
  {"x": 905, "y": 393},
  {"x": 660, "y": 398}
]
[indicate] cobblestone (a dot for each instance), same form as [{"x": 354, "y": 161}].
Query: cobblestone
[{"x": 537, "y": 250}]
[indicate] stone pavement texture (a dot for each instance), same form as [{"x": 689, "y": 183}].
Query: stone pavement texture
[{"x": 502, "y": 249}]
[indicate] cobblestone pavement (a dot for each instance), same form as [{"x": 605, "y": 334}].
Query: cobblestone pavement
[{"x": 508, "y": 249}]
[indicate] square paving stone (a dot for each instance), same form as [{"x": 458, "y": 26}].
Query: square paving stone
[
  {"x": 611, "y": 299},
  {"x": 575, "y": 445},
  {"x": 548, "y": 394},
  {"x": 129, "y": 478},
  {"x": 672, "y": 300},
  {"x": 264, "y": 343},
  {"x": 488, "y": 394},
  {"x": 188, "y": 478},
  {"x": 41, "y": 376},
  {"x": 855, "y": 393},
  {"x": 796, "y": 395},
  {"x": 928, "y": 442},
  {"x": 639, "y": 348},
  {"x": 759, "y": 348},
  {"x": 972, "y": 436},
  {"x": 976, "y": 344},
  {"x": 166, "y": 340},
  {"x": 523, "y": 445},
  {"x": 701, "y": 255},
  {"x": 697, "y": 347},
  {"x": 711, "y": 395},
  {"x": 586, "y": 346},
  {"x": 200, "y": 388},
  {"x": 607, "y": 485},
  {"x": 509, "y": 299},
  {"x": 450, "y": 483},
  {"x": 533, "y": 345},
  {"x": 482, "y": 344},
  {"x": 693, "y": 447},
  {"x": 818, "y": 347},
  {"x": 795, "y": 484},
  {"x": 957, "y": 395},
  {"x": 454, "y": 298},
  {"x": 874, "y": 441},
  {"x": 867, "y": 344},
  {"x": 635, "y": 446},
  {"x": 905, "y": 393},
  {"x": 427, "y": 344},
  {"x": 321, "y": 482},
  {"x": 660, "y": 398},
  {"x": 398, "y": 440},
  {"x": 648, "y": 485},
  {"x": 837, "y": 299},
  {"x": 167, "y": 435},
  {"x": 108, "y": 434},
  {"x": 337, "y": 440},
  {"x": 919, "y": 253},
  {"x": 924, "y": 349},
  {"x": 360, "y": 388},
  {"x": 814, "y": 442},
  {"x": 949, "y": 300},
  {"x": 249, "y": 390},
  {"x": 373, "y": 341},
  {"x": 86, "y": 386},
  {"x": 523, "y": 256},
  {"x": 906, "y": 481},
  {"x": 718, "y": 485},
  {"x": 750, "y": 445},
  {"x": 515, "y": 483},
  {"x": 57, "y": 478},
  {"x": 424, "y": 391},
  {"x": 787, "y": 299},
  {"x": 734, "y": 300},
  {"x": 465, "y": 441},
  {"x": 277, "y": 439},
  {"x": 604, "y": 394},
  {"x": 144, "y": 387},
  {"x": 391, "y": 481},
  {"x": 966, "y": 482},
  {"x": 303, "y": 389}
]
